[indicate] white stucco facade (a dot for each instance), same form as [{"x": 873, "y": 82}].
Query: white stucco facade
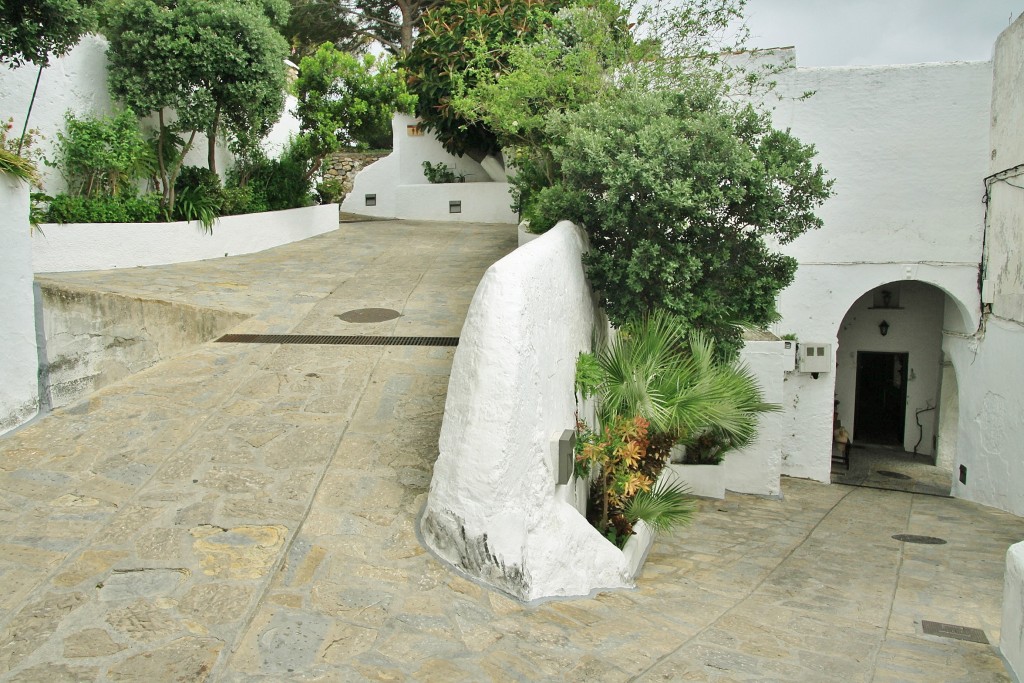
[
  {"x": 19, "y": 390},
  {"x": 395, "y": 186},
  {"x": 102, "y": 246},
  {"x": 989, "y": 365},
  {"x": 756, "y": 468},
  {"x": 907, "y": 146},
  {"x": 494, "y": 509}
]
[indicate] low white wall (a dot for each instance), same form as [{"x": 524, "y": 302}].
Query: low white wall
[
  {"x": 102, "y": 246},
  {"x": 479, "y": 202},
  {"x": 1011, "y": 632},
  {"x": 401, "y": 190},
  {"x": 756, "y": 468},
  {"x": 19, "y": 367},
  {"x": 494, "y": 510}
]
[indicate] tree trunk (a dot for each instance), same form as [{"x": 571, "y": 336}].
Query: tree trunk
[
  {"x": 407, "y": 22},
  {"x": 162, "y": 163},
  {"x": 211, "y": 143}
]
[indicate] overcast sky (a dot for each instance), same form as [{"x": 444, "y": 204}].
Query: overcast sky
[{"x": 859, "y": 32}]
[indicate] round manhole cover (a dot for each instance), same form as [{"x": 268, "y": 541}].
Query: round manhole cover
[
  {"x": 369, "y": 315},
  {"x": 893, "y": 475},
  {"x": 925, "y": 540}
]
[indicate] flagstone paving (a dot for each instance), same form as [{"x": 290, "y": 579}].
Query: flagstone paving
[{"x": 247, "y": 513}]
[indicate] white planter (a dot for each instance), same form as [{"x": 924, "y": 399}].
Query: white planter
[
  {"x": 637, "y": 547},
  {"x": 525, "y": 235},
  {"x": 706, "y": 481}
]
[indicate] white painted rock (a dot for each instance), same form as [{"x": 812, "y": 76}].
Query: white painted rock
[{"x": 494, "y": 509}]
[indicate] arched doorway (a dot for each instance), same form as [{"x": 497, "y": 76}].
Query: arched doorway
[{"x": 895, "y": 388}]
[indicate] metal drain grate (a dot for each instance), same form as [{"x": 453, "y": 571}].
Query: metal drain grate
[
  {"x": 972, "y": 635},
  {"x": 350, "y": 340},
  {"x": 925, "y": 540}
]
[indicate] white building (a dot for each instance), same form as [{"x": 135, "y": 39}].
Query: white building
[{"x": 897, "y": 280}]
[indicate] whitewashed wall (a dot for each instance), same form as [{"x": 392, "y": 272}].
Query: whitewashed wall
[
  {"x": 402, "y": 191},
  {"x": 908, "y": 146},
  {"x": 990, "y": 367},
  {"x": 1011, "y": 631},
  {"x": 77, "y": 82},
  {"x": 494, "y": 509},
  {"x": 19, "y": 363},
  {"x": 756, "y": 469},
  {"x": 102, "y": 246}
]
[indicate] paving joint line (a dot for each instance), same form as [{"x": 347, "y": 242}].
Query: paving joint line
[
  {"x": 746, "y": 597},
  {"x": 222, "y": 665},
  {"x": 15, "y": 611}
]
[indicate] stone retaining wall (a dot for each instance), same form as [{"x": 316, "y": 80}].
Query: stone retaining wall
[{"x": 343, "y": 166}]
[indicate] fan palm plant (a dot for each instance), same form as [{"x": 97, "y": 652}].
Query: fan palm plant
[{"x": 656, "y": 369}]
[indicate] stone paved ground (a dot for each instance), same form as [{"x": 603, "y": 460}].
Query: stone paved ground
[{"x": 247, "y": 513}]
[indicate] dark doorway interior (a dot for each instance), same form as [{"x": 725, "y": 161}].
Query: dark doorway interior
[{"x": 880, "y": 411}]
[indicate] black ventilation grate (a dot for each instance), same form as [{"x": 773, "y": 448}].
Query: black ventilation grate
[
  {"x": 350, "y": 340},
  {"x": 971, "y": 635},
  {"x": 893, "y": 475}
]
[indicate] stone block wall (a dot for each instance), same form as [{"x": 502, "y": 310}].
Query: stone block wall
[{"x": 343, "y": 166}]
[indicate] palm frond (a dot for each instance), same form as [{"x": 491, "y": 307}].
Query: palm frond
[{"x": 666, "y": 506}]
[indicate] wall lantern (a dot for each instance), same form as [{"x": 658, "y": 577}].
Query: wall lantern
[{"x": 883, "y": 327}]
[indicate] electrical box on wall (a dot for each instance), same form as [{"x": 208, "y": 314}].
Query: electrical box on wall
[
  {"x": 812, "y": 357},
  {"x": 789, "y": 357}
]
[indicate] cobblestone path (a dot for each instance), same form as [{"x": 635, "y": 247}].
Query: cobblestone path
[{"x": 247, "y": 513}]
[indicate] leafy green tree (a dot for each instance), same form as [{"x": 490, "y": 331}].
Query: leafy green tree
[
  {"x": 459, "y": 40},
  {"x": 351, "y": 24},
  {"x": 646, "y": 137},
  {"x": 680, "y": 193},
  {"x": 211, "y": 63},
  {"x": 33, "y": 31},
  {"x": 345, "y": 101}
]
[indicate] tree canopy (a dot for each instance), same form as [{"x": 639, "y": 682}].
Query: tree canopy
[
  {"x": 660, "y": 145},
  {"x": 210, "y": 62},
  {"x": 34, "y": 31},
  {"x": 351, "y": 24},
  {"x": 346, "y": 101},
  {"x": 460, "y": 39}
]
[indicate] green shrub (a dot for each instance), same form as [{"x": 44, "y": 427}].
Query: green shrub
[
  {"x": 681, "y": 194},
  {"x": 238, "y": 200},
  {"x": 442, "y": 173},
  {"x": 276, "y": 184},
  {"x": 330, "y": 191},
  {"x": 103, "y": 209},
  {"x": 103, "y": 155},
  {"x": 198, "y": 177}
]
